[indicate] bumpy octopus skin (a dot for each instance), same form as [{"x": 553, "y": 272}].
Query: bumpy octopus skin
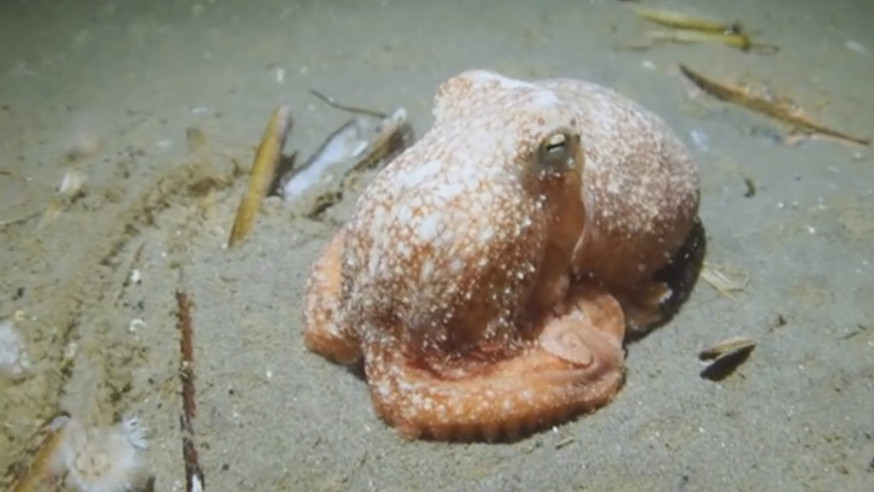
[{"x": 486, "y": 274}]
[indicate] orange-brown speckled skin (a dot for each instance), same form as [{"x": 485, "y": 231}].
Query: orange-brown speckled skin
[{"x": 477, "y": 283}]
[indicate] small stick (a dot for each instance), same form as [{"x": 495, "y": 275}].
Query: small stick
[
  {"x": 764, "y": 106},
  {"x": 261, "y": 176},
  {"x": 680, "y": 20},
  {"x": 193, "y": 473},
  {"x": 697, "y": 30},
  {"x": 127, "y": 279},
  {"x": 19, "y": 220},
  {"x": 38, "y": 471},
  {"x": 330, "y": 101},
  {"x": 736, "y": 40},
  {"x": 564, "y": 442}
]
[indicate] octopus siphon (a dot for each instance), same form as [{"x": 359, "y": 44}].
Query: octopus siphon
[{"x": 490, "y": 273}]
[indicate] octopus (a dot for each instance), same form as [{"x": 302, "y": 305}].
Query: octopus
[{"x": 489, "y": 275}]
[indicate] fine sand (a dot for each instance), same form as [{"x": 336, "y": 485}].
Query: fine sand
[{"x": 108, "y": 88}]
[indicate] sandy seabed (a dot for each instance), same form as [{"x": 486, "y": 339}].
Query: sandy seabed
[{"x": 108, "y": 88}]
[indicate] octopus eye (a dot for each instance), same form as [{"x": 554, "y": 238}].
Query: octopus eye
[{"x": 557, "y": 153}]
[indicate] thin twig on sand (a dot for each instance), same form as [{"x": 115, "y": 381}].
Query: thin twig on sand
[
  {"x": 330, "y": 101},
  {"x": 764, "y": 106},
  {"x": 193, "y": 473}
]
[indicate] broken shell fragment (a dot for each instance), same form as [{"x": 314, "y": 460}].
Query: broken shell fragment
[
  {"x": 725, "y": 280},
  {"x": 363, "y": 143},
  {"x": 727, "y": 347},
  {"x": 14, "y": 359},
  {"x": 71, "y": 188},
  {"x": 726, "y": 356}
]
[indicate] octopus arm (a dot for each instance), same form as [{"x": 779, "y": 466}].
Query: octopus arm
[
  {"x": 324, "y": 331},
  {"x": 575, "y": 366}
]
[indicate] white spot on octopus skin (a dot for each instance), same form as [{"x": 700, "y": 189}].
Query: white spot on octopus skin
[
  {"x": 428, "y": 227},
  {"x": 418, "y": 176}
]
